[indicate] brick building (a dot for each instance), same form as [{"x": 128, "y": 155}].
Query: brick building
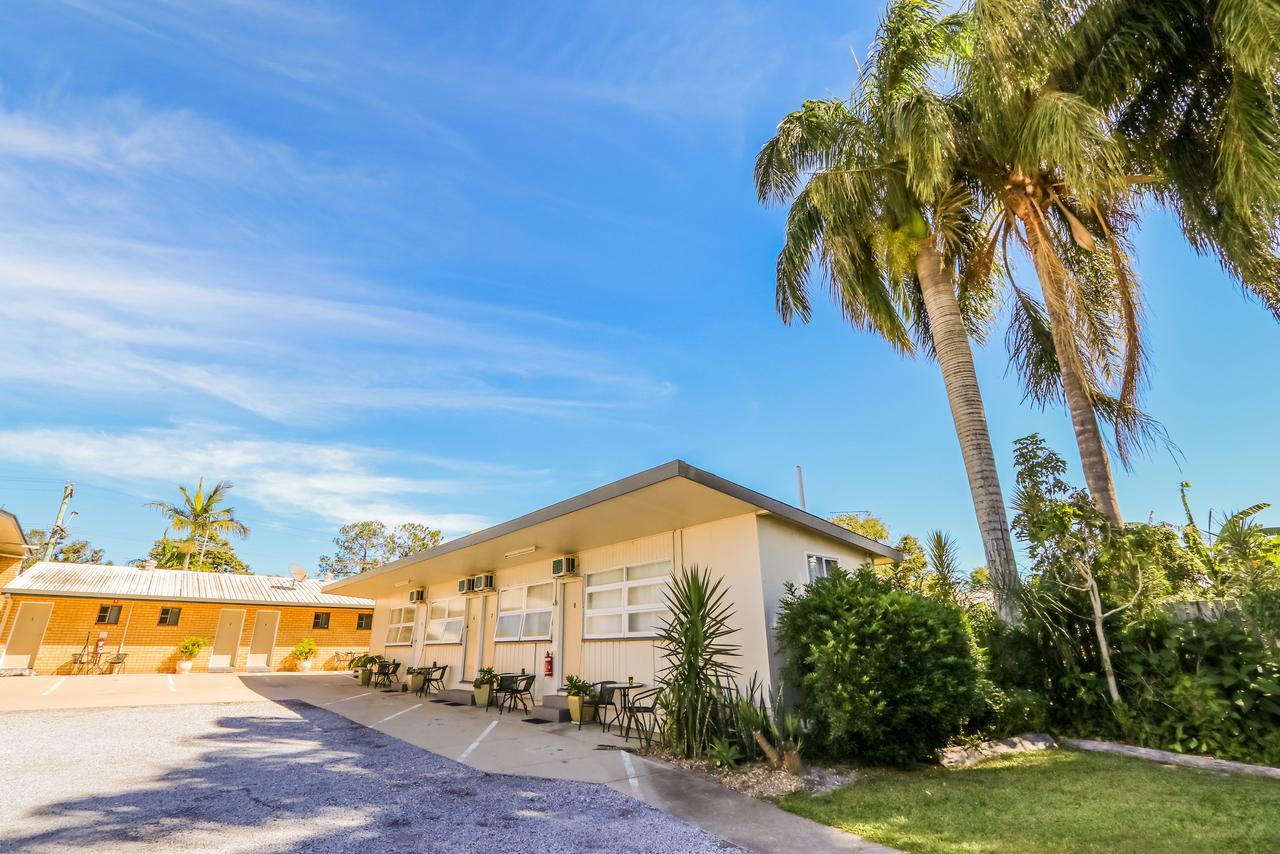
[{"x": 54, "y": 611}]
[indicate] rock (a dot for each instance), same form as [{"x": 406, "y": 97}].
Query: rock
[{"x": 961, "y": 757}]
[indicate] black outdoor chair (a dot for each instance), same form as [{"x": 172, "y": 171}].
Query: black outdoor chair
[
  {"x": 521, "y": 692},
  {"x": 608, "y": 697},
  {"x": 115, "y": 664},
  {"x": 79, "y": 662},
  {"x": 434, "y": 677},
  {"x": 387, "y": 671},
  {"x": 642, "y": 712},
  {"x": 499, "y": 692}
]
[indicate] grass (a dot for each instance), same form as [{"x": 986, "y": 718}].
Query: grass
[{"x": 1055, "y": 800}]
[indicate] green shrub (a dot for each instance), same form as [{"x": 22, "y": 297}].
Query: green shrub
[
  {"x": 1201, "y": 686},
  {"x": 723, "y": 753},
  {"x": 485, "y": 676},
  {"x": 190, "y": 647},
  {"x": 305, "y": 649},
  {"x": 576, "y": 686},
  {"x": 884, "y": 675}
]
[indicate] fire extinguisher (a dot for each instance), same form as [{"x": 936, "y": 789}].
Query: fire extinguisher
[{"x": 548, "y": 664}]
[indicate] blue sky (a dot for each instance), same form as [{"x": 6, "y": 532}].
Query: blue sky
[{"x": 453, "y": 264}]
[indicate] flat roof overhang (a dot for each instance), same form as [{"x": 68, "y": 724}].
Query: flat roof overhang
[
  {"x": 13, "y": 543},
  {"x": 665, "y": 498}
]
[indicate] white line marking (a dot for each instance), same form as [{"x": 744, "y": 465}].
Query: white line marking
[
  {"x": 399, "y": 713},
  {"x": 631, "y": 773},
  {"x": 344, "y": 699},
  {"x": 54, "y": 687},
  {"x": 476, "y": 743},
  {"x": 172, "y": 687}
]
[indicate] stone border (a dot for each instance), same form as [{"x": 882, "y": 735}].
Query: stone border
[{"x": 1204, "y": 763}]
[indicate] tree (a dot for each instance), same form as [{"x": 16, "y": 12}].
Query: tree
[
  {"x": 69, "y": 551},
  {"x": 944, "y": 580},
  {"x": 203, "y": 518},
  {"x": 863, "y": 523},
  {"x": 365, "y": 545},
  {"x": 878, "y": 206},
  {"x": 218, "y": 555}
]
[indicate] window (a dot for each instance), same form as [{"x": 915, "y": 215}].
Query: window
[
  {"x": 320, "y": 620},
  {"x": 524, "y": 613},
  {"x": 400, "y": 626},
  {"x": 820, "y": 566},
  {"x": 364, "y": 622},
  {"x": 444, "y": 620},
  {"x": 169, "y": 616},
  {"x": 109, "y": 615},
  {"x": 629, "y": 601}
]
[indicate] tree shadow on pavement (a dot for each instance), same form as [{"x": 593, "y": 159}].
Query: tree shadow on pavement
[{"x": 321, "y": 782}]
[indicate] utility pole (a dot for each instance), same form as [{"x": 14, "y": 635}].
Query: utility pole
[
  {"x": 57, "y": 532},
  {"x": 800, "y": 487}
]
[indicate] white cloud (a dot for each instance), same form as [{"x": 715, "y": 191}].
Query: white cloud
[{"x": 333, "y": 482}]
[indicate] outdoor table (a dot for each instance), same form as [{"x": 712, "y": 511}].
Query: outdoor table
[{"x": 625, "y": 689}]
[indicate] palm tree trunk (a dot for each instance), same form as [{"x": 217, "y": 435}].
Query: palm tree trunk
[
  {"x": 955, "y": 358},
  {"x": 1094, "y": 459}
]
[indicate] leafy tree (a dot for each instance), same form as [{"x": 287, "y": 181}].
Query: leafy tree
[
  {"x": 362, "y": 546},
  {"x": 864, "y": 523},
  {"x": 203, "y": 517},
  {"x": 909, "y": 573},
  {"x": 1240, "y": 559},
  {"x": 878, "y": 207},
  {"x": 219, "y": 556},
  {"x": 68, "y": 551}
]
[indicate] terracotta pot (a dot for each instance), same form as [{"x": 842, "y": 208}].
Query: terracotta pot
[
  {"x": 304, "y": 664},
  {"x": 415, "y": 682},
  {"x": 184, "y": 665},
  {"x": 366, "y": 675},
  {"x": 482, "y": 695}
]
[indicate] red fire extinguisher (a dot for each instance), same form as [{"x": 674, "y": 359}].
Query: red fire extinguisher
[{"x": 548, "y": 664}]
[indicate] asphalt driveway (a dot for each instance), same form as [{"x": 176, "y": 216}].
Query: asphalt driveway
[{"x": 287, "y": 776}]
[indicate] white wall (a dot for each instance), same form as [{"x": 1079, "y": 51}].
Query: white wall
[{"x": 784, "y": 548}]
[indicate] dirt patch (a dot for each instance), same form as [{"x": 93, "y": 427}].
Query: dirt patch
[{"x": 761, "y": 780}]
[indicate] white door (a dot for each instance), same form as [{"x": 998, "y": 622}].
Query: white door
[
  {"x": 263, "y": 641},
  {"x": 226, "y": 643},
  {"x": 27, "y": 633}
]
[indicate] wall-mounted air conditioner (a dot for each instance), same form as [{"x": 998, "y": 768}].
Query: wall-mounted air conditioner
[
  {"x": 564, "y": 566},
  {"x": 419, "y": 595},
  {"x": 482, "y": 582},
  {"x": 466, "y": 585}
]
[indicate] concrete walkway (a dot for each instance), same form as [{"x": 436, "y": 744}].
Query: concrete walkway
[{"x": 483, "y": 740}]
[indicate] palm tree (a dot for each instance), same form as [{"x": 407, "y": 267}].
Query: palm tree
[
  {"x": 1192, "y": 88},
  {"x": 944, "y": 566},
  {"x": 876, "y": 203},
  {"x": 1050, "y": 166},
  {"x": 202, "y": 517}
]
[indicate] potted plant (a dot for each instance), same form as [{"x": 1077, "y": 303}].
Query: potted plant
[
  {"x": 582, "y": 699},
  {"x": 483, "y": 684},
  {"x": 364, "y": 666},
  {"x": 305, "y": 651},
  {"x": 188, "y": 650},
  {"x": 417, "y": 676}
]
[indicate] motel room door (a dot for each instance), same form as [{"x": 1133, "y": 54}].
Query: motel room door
[
  {"x": 262, "y": 642},
  {"x": 226, "y": 642},
  {"x": 27, "y": 633},
  {"x": 472, "y": 654},
  {"x": 570, "y": 658}
]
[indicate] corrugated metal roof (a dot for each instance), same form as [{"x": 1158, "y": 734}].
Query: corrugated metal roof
[{"x": 174, "y": 585}]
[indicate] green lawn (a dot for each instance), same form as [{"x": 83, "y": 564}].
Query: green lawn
[{"x": 1056, "y": 800}]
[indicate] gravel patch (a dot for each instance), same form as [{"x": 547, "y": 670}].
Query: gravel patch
[{"x": 288, "y": 777}]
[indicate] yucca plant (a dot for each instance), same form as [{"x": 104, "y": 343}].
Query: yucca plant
[{"x": 697, "y": 674}]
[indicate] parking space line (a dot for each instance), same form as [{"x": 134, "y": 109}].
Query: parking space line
[
  {"x": 344, "y": 699},
  {"x": 631, "y": 773},
  {"x": 54, "y": 687},
  {"x": 399, "y": 713},
  {"x": 476, "y": 743}
]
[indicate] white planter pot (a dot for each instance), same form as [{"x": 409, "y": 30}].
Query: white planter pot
[
  {"x": 304, "y": 664},
  {"x": 184, "y": 665}
]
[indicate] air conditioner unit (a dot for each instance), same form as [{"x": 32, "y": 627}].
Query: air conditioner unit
[
  {"x": 482, "y": 582},
  {"x": 419, "y": 595},
  {"x": 466, "y": 585},
  {"x": 564, "y": 566}
]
